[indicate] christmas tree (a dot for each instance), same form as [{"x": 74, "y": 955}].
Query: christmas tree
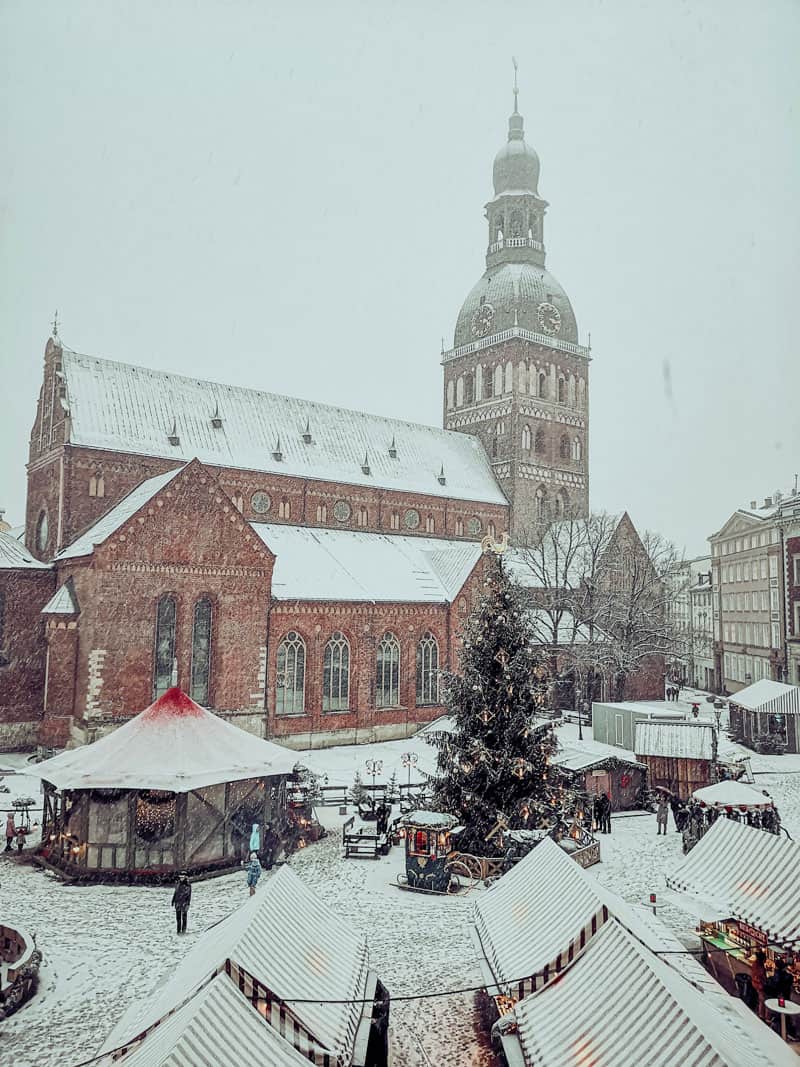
[{"x": 495, "y": 764}]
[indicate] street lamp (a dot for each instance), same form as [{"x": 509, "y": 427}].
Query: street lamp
[
  {"x": 374, "y": 766},
  {"x": 409, "y": 760}
]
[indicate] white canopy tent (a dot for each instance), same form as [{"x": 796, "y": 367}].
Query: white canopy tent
[
  {"x": 174, "y": 745},
  {"x": 728, "y": 795}
]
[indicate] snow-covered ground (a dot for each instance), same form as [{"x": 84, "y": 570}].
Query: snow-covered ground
[{"x": 105, "y": 945}]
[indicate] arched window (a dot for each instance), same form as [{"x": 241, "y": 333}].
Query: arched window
[
  {"x": 450, "y": 395},
  {"x": 459, "y": 392},
  {"x": 581, "y": 393},
  {"x": 284, "y": 509},
  {"x": 430, "y": 524},
  {"x": 427, "y": 671},
  {"x": 3, "y": 653},
  {"x": 201, "y": 651},
  {"x": 563, "y": 447},
  {"x": 479, "y": 382},
  {"x": 459, "y": 527},
  {"x": 387, "y": 689},
  {"x": 42, "y": 531},
  {"x": 558, "y": 507},
  {"x": 562, "y": 391},
  {"x": 542, "y": 384},
  {"x": 363, "y": 517},
  {"x": 538, "y": 444},
  {"x": 541, "y": 504},
  {"x": 498, "y": 380},
  {"x": 97, "y": 485},
  {"x": 509, "y": 383},
  {"x": 469, "y": 389},
  {"x": 577, "y": 448},
  {"x": 526, "y": 437},
  {"x": 487, "y": 382},
  {"x": 492, "y": 531},
  {"x": 336, "y": 674},
  {"x": 571, "y": 392},
  {"x": 322, "y": 513},
  {"x": 164, "y": 657},
  {"x": 394, "y": 520},
  {"x": 495, "y": 448},
  {"x": 290, "y": 679},
  {"x": 238, "y": 501}
]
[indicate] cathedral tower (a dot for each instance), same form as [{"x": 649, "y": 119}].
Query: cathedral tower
[{"x": 516, "y": 376}]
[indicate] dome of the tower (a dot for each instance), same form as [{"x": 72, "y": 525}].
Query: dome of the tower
[
  {"x": 514, "y": 295},
  {"x": 516, "y": 168}
]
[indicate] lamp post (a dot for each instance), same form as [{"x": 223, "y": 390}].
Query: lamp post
[
  {"x": 409, "y": 760},
  {"x": 374, "y": 767}
]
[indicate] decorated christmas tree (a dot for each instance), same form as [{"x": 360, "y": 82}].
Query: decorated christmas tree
[{"x": 494, "y": 767}]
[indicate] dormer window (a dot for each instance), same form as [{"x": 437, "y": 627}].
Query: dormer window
[
  {"x": 277, "y": 453},
  {"x": 172, "y": 436},
  {"x": 393, "y": 450},
  {"x": 365, "y": 468},
  {"x": 216, "y": 419},
  {"x": 307, "y": 433}
]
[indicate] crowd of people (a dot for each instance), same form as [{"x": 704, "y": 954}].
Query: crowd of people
[{"x": 692, "y": 819}]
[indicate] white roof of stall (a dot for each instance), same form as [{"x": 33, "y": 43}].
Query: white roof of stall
[
  {"x": 580, "y": 755},
  {"x": 288, "y": 940},
  {"x": 679, "y": 740},
  {"x": 217, "y": 1025},
  {"x": 125, "y": 408},
  {"x": 767, "y": 695},
  {"x": 319, "y": 564},
  {"x": 746, "y": 874},
  {"x": 732, "y": 794},
  {"x": 173, "y": 745},
  {"x": 619, "y": 1004}
]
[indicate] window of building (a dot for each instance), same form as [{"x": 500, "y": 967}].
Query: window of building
[
  {"x": 394, "y": 520},
  {"x": 538, "y": 446},
  {"x": 3, "y": 650},
  {"x": 469, "y": 389},
  {"x": 336, "y": 674},
  {"x": 164, "y": 646},
  {"x": 427, "y": 671},
  {"x": 497, "y": 385},
  {"x": 796, "y": 621},
  {"x": 462, "y": 605},
  {"x": 541, "y": 504},
  {"x": 764, "y": 600},
  {"x": 526, "y": 437},
  {"x": 738, "y": 544},
  {"x": 459, "y": 527},
  {"x": 738, "y": 572},
  {"x": 363, "y": 517},
  {"x": 430, "y": 524},
  {"x": 201, "y": 651},
  {"x": 290, "y": 677},
  {"x": 509, "y": 378},
  {"x": 491, "y": 531},
  {"x": 322, "y": 513},
  {"x": 284, "y": 509},
  {"x": 563, "y": 447},
  {"x": 97, "y": 485},
  {"x": 754, "y": 570},
  {"x": 42, "y": 531},
  {"x": 450, "y": 395},
  {"x": 577, "y": 448},
  {"x": 773, "y": 598},
  {"x": 562, "y": 391},
  {"x": 773, "y": 566},
  {"x": 459, "y": 392},
  {"x": 542, "y": 385},
  {"x": 387, "y": 690},
  {"x": 776, "y": 635}
]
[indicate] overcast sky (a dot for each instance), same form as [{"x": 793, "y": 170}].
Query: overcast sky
[{"x": 291, "y": 197}]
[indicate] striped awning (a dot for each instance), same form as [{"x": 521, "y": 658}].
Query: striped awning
[
  {"x": 747, "y": 873},
  {"x": 537, "y": 919},
  {"x": 217, "y": 1025},
  {"x": 619, "y": 1005}
]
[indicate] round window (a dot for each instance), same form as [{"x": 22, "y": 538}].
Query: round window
[
  {"x": 474, "y": 527},
  {"x": 341, "y": 511},
  {"x": 260, "y": 502},
  {"x": 411, "y": 519},
  {"x": 42, "y": 532}
]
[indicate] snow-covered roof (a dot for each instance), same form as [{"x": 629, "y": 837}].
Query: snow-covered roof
[
  {"x": 732, "y": 794},
  {"x": 124, "y": 408},
  {"x": 217, "y": 1025},
  {"x": 429, "y": 818},
  {"x": 64, "y": 601},
  {"x": 593, "y": 755},
  {"x": 680, "y": 740},
  {"x": 174, "y": 745},
  {"x": 289, "y": 940},
  {"x": 15, "y": 556},
  {"x": 119, "y": 514},
  {"x": 319, "y": 564},
  {"x": 534, "y": 920},
  {"x": 746, "y": 873},
  {"x": 619, "y": 1004},
  {"x": 770, "y": 696}
]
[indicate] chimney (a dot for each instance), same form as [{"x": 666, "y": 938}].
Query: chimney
[
  {"x": 307, "y": 433},
  {"x": 753, "y": 505},
  {"x": 767, "y": 501}
]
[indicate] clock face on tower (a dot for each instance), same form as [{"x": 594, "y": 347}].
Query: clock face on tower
[
  {"x": 482, "y": 320},
  {"x": 549, "y": 317}
]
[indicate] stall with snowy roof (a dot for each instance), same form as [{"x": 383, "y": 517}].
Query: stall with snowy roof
[
  {"x": 597, "y": 769},
  {"x": 680, "y": 756},
  {"x": 174, "y": 788},
  {"x": 766, "y": 716},
  {"x": 432, "y": 864},
  {"x": 742, "y": 885},
  {"x": 283, "y": 962},
  {"x": 737, "y": 800}
]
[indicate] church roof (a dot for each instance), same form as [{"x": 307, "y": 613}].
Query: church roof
[
  {"x": 123, "y": 408},
  {"x": 64, "y": 601},
  {"x": 15, "y": 556},
  {"x": 319, "y": 564}
]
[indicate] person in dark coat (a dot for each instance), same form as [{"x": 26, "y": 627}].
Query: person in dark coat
[
  {"x": 758, "y": 976},
  {"x": 11, "y": 831},
  {"x": 605, "y": 814},
  {"x": 181, "y": 899}
]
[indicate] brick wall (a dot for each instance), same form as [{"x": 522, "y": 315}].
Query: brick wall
[{"x": 22, "y": 653}]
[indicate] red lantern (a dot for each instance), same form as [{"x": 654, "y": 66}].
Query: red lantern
[{"x": 652, "y": 898}]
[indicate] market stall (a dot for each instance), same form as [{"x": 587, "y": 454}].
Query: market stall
[
  {"x": 743, "y": 886},
  {"x": 680, "y": 756},
  {"x": 766, "y": 716},
  {"x": 597, "y": 769},
  {"x": 740, "y": 802},
  {"x": 174, "y": 788}
]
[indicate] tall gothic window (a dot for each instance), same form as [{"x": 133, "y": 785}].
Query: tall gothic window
[
  {"x": 526, "y": 438},
  {"x": 201, "y": 651},
  {"x": 450, "y": 395},
  {"x": 542, "y": 384},
  {"x": 164, "y": 646},
  {"x": 428, "y": 670},
  {"x": 538, "y": 445},
  {"x": 290, "y": 681},
  {"x": 563, "y": 448},
  {"x": 430, "y": 524},
  {"x": 336, "y": 674},
  {"x": 459, "y": 391},
  {"x": 541, "y": 504},
  {"x": 387, "y": 689},
  {"x": 562, "y": 391},
  {"x": 363, "y": 517},
  {"x": 322, "y": 513},
  {"x": 469, "y": 389}
]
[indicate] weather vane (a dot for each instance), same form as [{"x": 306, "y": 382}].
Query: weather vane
[
  {"x": 55, "y": 324},
  {"x": 516, "y": 89}
]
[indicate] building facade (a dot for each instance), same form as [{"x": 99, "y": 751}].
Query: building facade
[
  {"x": 517, "y": 377},
  {"x": 749, "y": 596},
  {"x": 788, "y": 519}
]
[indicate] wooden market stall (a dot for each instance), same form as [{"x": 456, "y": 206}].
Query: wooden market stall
[
  {"x": 680, "y": 756},
  {"x": 293, "y": 978},
  {"x": 743, "y": 886},
  {"x": 597, "y": 769},
  {"x": 767, "y": 715},
  {"x": 175, "y": 788}
]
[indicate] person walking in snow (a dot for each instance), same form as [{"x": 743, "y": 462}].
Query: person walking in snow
[
  {"x": 181, "y": 899},
  {"x": 605, "y": 814},
  {"x": 253, "y": 872},
  {"x": 11, "y": 831},
  {"x": 662, "y": 814}
]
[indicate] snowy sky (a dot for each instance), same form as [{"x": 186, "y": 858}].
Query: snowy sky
[{"x": 290, "y": 197}]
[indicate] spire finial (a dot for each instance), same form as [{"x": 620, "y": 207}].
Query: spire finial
[
  {"x": 516, "y": 87},
  {"x": 55, "y": 324}
]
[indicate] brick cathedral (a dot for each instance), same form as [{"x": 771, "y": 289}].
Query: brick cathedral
[{"x": 301, "y": 569}]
